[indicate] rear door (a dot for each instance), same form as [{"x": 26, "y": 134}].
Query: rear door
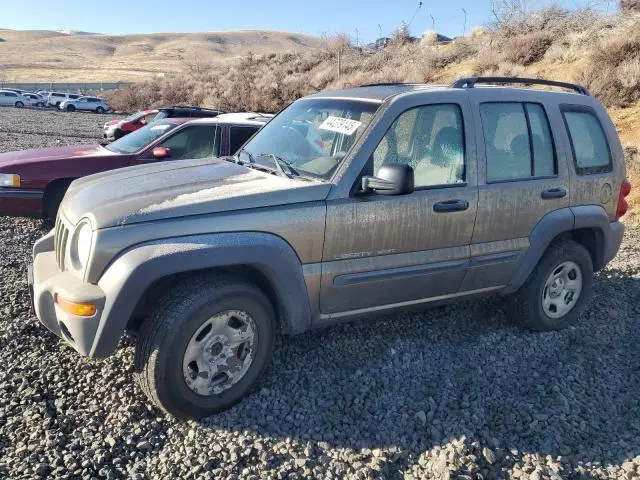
[
  {"x": 386, "y": 251},
  {"x": 522, "y": 177}
]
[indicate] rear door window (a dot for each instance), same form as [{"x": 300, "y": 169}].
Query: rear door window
[
  {"x": 589, "y": 144},
  {"x": 518, "y": 141}
]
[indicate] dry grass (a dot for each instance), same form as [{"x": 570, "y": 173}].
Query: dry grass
[{"x": 45, "y": 56}]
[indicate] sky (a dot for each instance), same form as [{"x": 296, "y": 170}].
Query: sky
[{"x": 362, "y": 20}]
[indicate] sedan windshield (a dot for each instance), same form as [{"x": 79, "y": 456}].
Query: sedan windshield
[
  {"x": 312, "y": 136},
  {"x": 139, "y": 139}
]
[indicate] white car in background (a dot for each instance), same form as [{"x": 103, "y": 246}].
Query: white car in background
[
  {"x": 56, "y": 98},
  {"x": 91, "y": 104},
  {"x": 10, "y": 98},
  {"x": 34, "y": 99}
]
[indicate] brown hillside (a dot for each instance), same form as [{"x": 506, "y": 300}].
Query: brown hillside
[{"x": 46, "y": 56}]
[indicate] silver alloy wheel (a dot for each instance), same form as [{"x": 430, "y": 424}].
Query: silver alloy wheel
[
  {"x": 220, "y": 353},
  {"x": 562, "y": 290}
]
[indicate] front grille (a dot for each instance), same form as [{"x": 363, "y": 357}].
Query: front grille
[{"x": 61, "y": 236}]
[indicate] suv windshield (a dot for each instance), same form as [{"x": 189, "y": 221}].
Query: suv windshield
[
  {"x": 139, "y": 139},
  {"x": 313, "y": 136}
]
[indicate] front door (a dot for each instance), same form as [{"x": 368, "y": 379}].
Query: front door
[{"x": 386, "y": 251}]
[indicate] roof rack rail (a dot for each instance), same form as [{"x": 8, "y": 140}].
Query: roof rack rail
[
  {"x": 390, "y": 84},
  {"x": 472, "y": 81}
]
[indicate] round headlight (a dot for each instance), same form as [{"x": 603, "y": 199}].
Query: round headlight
[{"x": 81, "y": 245}]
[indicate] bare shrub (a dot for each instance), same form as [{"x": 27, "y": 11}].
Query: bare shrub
[
  {"x": 630, "y": 5},
  {"x": 527, "y": 49},
  {"x": 613, "y": 71}
]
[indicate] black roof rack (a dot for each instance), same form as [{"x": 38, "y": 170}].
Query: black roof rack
[
  {"x": 471, "y": 82},
  {"x": 390, "y": 84}
]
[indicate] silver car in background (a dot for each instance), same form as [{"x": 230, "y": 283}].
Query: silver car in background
[
  {"x": 11, "y": 98},
  {"x": 90, "y": 104}
]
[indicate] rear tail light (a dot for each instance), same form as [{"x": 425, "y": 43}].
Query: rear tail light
[{"x": 623, "y": 205}]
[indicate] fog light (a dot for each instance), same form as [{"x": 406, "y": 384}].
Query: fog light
[{"x": 77, "y": 309}]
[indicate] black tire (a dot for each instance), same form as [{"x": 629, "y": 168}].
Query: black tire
[
  {"x": 100, "y": 110},
  {"x": 52, "y": 201},
  {"x": 71, "y": 108},
  {"x": 527, "y": 302},
  {"x": 118, "y": 134},
  {"x": 57, "y": 104},
  {"x": 167, "y": 330},
  {"x": 19, "y": 104}
]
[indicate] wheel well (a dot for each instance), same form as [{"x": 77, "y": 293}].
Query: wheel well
[
  {"x": 53, "y": 187},
  {"x": 592, "y": 239},
  {"x": 245, "y": 273}
]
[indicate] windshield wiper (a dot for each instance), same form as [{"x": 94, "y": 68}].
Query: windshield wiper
[
  {"x": 281, "y": 164},
  {"x": 248, "y": 153}
]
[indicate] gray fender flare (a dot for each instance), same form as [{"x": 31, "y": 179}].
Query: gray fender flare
[
  {"x": 133, "y": 271},
  {"x": 555, "y": 223}
]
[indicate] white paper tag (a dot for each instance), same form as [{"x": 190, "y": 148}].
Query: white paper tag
[
  {"x": 160, "y": 127},
  {"x": 345, "y": 126}
]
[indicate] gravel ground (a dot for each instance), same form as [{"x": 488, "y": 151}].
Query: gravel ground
[{"x": 453, "y": 392}]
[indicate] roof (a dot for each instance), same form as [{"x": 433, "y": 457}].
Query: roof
[
  {"x": 244, "y": 118},
  {"x": 377, "y": 93},
  {"x": 380, "y": 92}
]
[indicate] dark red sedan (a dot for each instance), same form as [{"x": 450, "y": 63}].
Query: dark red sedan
[{"x": 33, "y": 182}]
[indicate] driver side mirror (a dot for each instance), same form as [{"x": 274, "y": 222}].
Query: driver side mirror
[
  {"x": 392, "y": 179},
  {"x": 161, "y": 152}
]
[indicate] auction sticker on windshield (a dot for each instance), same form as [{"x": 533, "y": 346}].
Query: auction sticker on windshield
[
  {"x": 160, "y": 127},
  {"x": 345, "y": 126}
]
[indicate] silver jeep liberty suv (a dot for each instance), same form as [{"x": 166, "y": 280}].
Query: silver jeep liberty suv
[{"x": 345, "y": 204}]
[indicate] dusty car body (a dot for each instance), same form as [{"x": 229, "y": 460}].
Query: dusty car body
[{"x": 406, "y": 195}]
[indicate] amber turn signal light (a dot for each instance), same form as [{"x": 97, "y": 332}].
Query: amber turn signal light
[{"x": 78, "y": 309}]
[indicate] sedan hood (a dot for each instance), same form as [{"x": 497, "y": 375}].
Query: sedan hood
[
  {"x": 55, "y": 153},
  {"x": 182, "y": 188}
]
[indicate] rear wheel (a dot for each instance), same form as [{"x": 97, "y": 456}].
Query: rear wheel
[
  {"x": 557, "y": 290},
  {"x": 71, "y": 108},
  {"x": 99, "y": 110},
  {"x": 204, "y": 345},
  {"x": 19, "y": 104}
]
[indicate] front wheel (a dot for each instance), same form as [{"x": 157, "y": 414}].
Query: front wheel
[
  {"x": 558, "y": 288},
  {"x": 204, "y": 345},
  {"x": 19, "y": 104},
  {"x": 99, "y": 110},
  {"x": 71, "y": 108}
]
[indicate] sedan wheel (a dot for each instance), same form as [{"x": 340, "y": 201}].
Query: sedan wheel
[{"x": 19, "y": 104}]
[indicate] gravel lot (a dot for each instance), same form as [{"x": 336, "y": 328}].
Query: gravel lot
[{"x": 453, "y": 392}]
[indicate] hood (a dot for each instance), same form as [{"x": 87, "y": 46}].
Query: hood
[
  {"x": 183, "y": 188},
  {"x": 113, "y": 122},
  {"x": 55, "y": 153}
]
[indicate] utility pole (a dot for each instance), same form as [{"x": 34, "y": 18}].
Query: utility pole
[
  {"x": 464, "y": 29},
  {"x": 357, "y": 38},
  {"x": 433, "y": 23},
  {"x": 379, "y": 31}
]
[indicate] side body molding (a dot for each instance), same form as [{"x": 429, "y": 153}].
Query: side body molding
[
  {"x": 550, "y": 226},
  {"x": 134, "y": 270},
  {"x": 607, "y": 238}
]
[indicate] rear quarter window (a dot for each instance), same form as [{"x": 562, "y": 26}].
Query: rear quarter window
[{"x": 589, "y": 145}]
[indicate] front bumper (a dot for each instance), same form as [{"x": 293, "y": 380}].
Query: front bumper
[
  {"x": 16, "y": 202},
  {"x": 46, "y": 280}
]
